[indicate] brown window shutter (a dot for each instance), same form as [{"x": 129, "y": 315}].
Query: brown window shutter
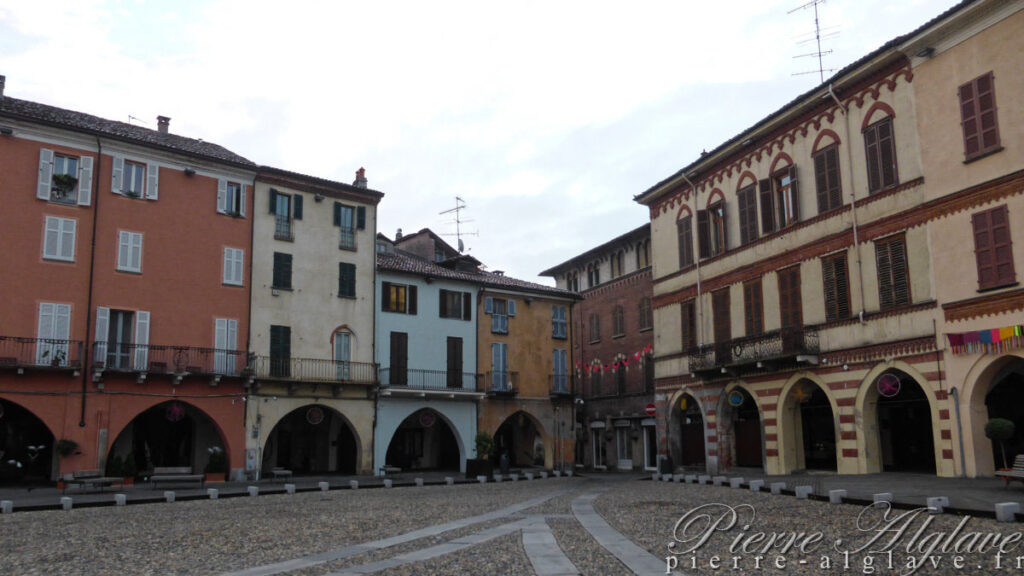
[
  {"x": 993, "y": 248},
  {"x": 887, "y": 153},
  {"x": 720, "y": 308},
  {"x": 794, "y": 193},
  {"x": 467, "y": 306},
  {"x": 411, "y": 299},
  {"x": 753, "y": 308},
  {"x": 444, "y": 303},
  {"x": 872, "y": 157},
  {"x": 969, "y": 119},
  {"x": 789, "y": 298},
  {"x": 821, "y": 181},
  {"x": 900, "y": 281},
  {"x": 883, "y": 261},
  {"x": 1002, "y": 246},
  {"x": 685, "y": 230},
  {"x": 837, "y": 289},
  {"x": 835, "y": 187},
  {"x": 703, "y": 234},
  {"x": 689, "y": 327},
  {"x": 828, "y": 273},
  {"x": 983, "y": 253},
  {"x": 986, "y": 107},
  {"x": 767, "y": 206}
]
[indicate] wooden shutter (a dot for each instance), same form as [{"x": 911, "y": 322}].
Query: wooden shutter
[
  {"x": 241, "y": 199},
  {"x": 220, "y": 334},
  {"x": 123, "y": 250},
  {"x": 753, "y": 308},
  {"x": 767, "y": 206},
  {"x": 454, "y": 362},
  {"x": 748, "y": 214},
  {"x": 443, "y": 304},
  {"x": 141, "y": 340},
  {"x": 689, "y": 328},
  {"x": 297, "y": 207},
  {"x": 986, "y": 106},
  {"x": 873, "y": 160},
  {"x": 836, "y": 287},
  {"x": 222, "y": 195},
  {"x": 385, "y": 296},
  {"x": 887, "y": 153},
  {"x": 720, "y": 309},
  {"x": 282, "y": 270},
  {"x": 1002, "y": 246},
  {"x": 117, "y": 175},
  {"x": 685, "y": 230},
  {"x": 360, "y": 217},
  {"x": 703, "y": 234},
  {"x": 273, "y": 201},
  {"x": 488, "y": 305},
  {"x": 337, "y": 214},
  {"x": 411, "y": 299},
  {"x": 346, "y": 280},
  {"x": 794, "y": 193},
  {"x": 511, "y": 308},
  {"x": 893, "y": 281},
  {"x": 45, "y": 174},
  {"x": 467, "y": 306},
  {"x": 85, "y": 181},
  {"x": 790, "y": 304},
  {"x": 152, "y": 181},
  {"x": 102, "y": 330}
]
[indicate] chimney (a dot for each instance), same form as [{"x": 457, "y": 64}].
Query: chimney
[
  {"x": 398, "y": 235},
  {"x": 360, "y": 178},
  {"x": 162, "y": 124},
  {"x": 3, "y": 80}
]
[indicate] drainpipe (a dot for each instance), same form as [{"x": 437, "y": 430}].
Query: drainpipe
[
  {"x": 853, "y": 199},
  {"x": 92, "y": 269},
  {"x": 696, "y": 259}
]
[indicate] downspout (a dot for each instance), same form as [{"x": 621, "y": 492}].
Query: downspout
[
  {"x": 248, "y": 327},
  {"x": 853, "y": 199},
  {"x": 92, "y": 270},
  {"x": 373, "y": 345},
  {"x": 696, "y": 259}
]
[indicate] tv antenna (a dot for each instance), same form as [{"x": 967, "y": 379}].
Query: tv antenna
[
  {"x": 139, "y": 120},
  {"x": 818, "y": 53},
  {"x": 460, "y": 205}
]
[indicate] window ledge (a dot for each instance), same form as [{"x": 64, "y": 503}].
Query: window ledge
[
  {"x": 617, "y": 336},
  {"x": 560, "y": 337},
  {"x": 647, "y": 329},
  {"x": 58, "y": 259},
  {"x": 997, "y": 287},
  {"x": 981, "y": 155},
  {"x": 233, "y": 284},
  {"x": 135, "y": 272},
  {"x": 346, "y": 248},
  {"x": 283, "y": 238},
  {"x": 347, "y": 297},
  {"x": 281, "y": 288},
  {"x": 595, "y": 341}
]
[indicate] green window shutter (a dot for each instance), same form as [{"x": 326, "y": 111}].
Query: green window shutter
[
  {"x": 297, "y": 207},
  {"x": 361, "y": 217}
]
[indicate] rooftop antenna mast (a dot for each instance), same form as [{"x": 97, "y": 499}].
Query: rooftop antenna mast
[
  {"x": 819, "y": 53},
  {"x": 460, "y": 205}
]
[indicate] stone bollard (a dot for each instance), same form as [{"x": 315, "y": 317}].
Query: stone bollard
[
  {"x": 254, "y": 491},
  {"x": 449, "y": 480},
  {"x": 169, "y": 496},
  {"x": 568, "y": 473},
  {"x": 353, "y": 484},
  {"x": 513, "y": 477},
  {"x": 543, "y": 473},
  {"x": 703, "y": 479},
  {"x": 482, "y": 479},
  {"x": 937, "y": 504},
  {"x": 557, "y": 473},
  {"x": 1005, "y": 511},
  {"x": 213, "y": 493},
  {"x": 666, "y": 477},
  {"x": 528, "y": 475},
  {"x": 120, "y": 500},
  {"x": 65, "y": 502},
  {"x": 756, "y": 485},
  {"x": 388, "y": 483},
  {"x": 735, "y": 483},
  {"x": 677, "y": 478},
  {"x": 836, "y": 496},
  {"x": 419, "y": 481},
  {"x": 498, "y": 477},
  {"x": 324, "y": 486},
  {"x": 778, "y": 487},
  {"x": 690, "y": 478},
  {"x": 289, "y": 488},
  {"x": 881, "y": 499},
  {"x": 654, "y": 477},
  {"x": 6, "y": 506},
  {"x": 719, "y": 480},
  {"x": 802, "y": 492}
]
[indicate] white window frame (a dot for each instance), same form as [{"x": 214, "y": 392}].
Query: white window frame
[
  {"x": 234, "y": 266},
  {"x": 129, "y": 251},
  {"x": 58, "y": 248},
  {"x": 124, "y": 175},
  {"x": 230, "y": 198},
  {"x": 225, "y": 341},
  {"x": 343, "y": 353},
  {"x": 54, "y": 331},
  {"x": 647, "y": 430},
  {"x": 598, "y": 448}
]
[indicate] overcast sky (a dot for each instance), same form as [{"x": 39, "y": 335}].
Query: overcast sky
[{"x": 545, "y": 117}]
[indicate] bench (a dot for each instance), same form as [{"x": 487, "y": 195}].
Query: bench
[
  {"x": 93, "y": 478},
  {"x": 280, "y": 474},
  {"x": 1015, "y": 473},
  {"x": 386, "y": 469},
  {"x": 175, "y": 474}
]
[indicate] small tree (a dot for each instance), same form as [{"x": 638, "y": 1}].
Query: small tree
[
  {"x": 484, "y": 445},
  {"x": 1000, "y": 430}
]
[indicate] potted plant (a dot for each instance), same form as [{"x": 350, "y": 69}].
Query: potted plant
[
  {"x": 64, "y": 185},
  {"x": 57, "y": 358},
  {"x": 481, "y": 465},
  {"x": 66, "y": 447},
  {"x": 217, "y": 465},
  {"x": 128, "y": 470},
  {"x": 1000, "y": 430}
]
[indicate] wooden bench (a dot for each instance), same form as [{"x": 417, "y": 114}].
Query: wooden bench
[
  {"x": 1015, "y": 473},
  {"x": 175, "y": 474},
  {"x": 93, "y": 478}
]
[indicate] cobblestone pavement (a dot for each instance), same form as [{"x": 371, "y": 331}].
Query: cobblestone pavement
[{"x": 601, "y": 525}]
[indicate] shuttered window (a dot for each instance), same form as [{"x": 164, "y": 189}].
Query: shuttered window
[
  {"x": 711, "y": 236},
  {"x": 790, "y": 303},
  {"x": 689, "y": 327},
  {"x": 780, "y": 200},
  {"x": 53, "y": 331},
  {"x": 645, "y": 314},
  {"x": 684, "y": 229},
  {"x": 880, "y": 150},
  {"x": 280, "y": 351},
  {"x": 720, "y": 309},
  {"x": 282, "y": 271},
  {"x": 826, "y": 178},
  {"x": 233, "y": 266},
  {"x": 129, "y": 251},
  {"x": 993, "y": 248},
  {"x": 978, "y": 116},
  {"x": 893, "y": 277},
  {"x": 346, "y": 280},
  {"x": 836, "y": 287},
  {"x": 595, "y": 327},
  {"x": 753, "y": 307},
  {"x": 559, "y": 322},
  {"x": 748, "y": 214},
  {"x": 398, "y": 298},
  {"x": 618, "y": 322},
  {"x": 59, "y": 239}
]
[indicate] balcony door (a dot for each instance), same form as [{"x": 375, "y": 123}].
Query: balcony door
[
  {"x": 723, "y": 327},
  {"x": 119, "y": 339},
  {"x": 790, "y": 309},
  {"x": 624, "y": 448},
  {"x": 399, "y": 365},
  {"x": 342, "y": 354},
  {"x": 454, "y": 362}
]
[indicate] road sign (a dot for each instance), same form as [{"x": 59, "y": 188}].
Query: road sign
[{"x": 651, "y": 410}]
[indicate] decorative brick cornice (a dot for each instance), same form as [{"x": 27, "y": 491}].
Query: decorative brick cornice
[
  {"x": 644, "y": 274},
  {"x": 987, "y": 305},
  {"x": 885, "y": 350}
]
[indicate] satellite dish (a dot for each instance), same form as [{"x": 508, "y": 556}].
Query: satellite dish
[
  {"x": 462, "y": 247},
  {"x": 888, "y": 385}
]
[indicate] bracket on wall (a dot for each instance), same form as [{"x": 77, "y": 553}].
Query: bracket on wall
[
  {"x": 141, "y": 378},
  {"x": 215, "y": 380}
]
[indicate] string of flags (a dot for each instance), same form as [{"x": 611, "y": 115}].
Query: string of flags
[
  {"x": 624, "y": 363},
  {"x": 994, "y": 341}
]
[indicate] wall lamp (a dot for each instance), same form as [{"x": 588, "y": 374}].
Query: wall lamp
[
  {"x": 6, "y": 130},
  {"x": 190, "y": 172}
]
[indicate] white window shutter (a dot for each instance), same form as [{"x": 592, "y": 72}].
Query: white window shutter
[
  {"x": 488, "y": 305},
  {"x": 152, "y": 181},
  {"x": 67, "y": 238},
  {"x": 85, "y": 181},
  {"x": 102, "y": 329},
  {"x": 45, "y": 332},
  {"x": 51, "y": 238},
  {"x": 123, "y": 250},
  {"x": 239, "y": 266},
  {"x": 45, "y": 174},
  {"x": 511, "y": 307},
  {"x": 232, "y": 341},
  {"x": 241, "y": 201},
  {"x": 222, "y": 195},
  {"x": 141, "y": 340},
  {"x": 62, "y": 330},
  {"x": 220, "y": 339},
  {"x": 117, "y": 176},
  {"x": 136, "y": 258},
  {"x": 229, "y": 264}
]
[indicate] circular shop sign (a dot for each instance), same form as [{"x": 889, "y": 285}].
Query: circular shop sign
[
  {"x": 735, "y": 398},
  {"x": 888, "y": 385},
  {"x": 427, "y": 419},
  {"x": 315, "y": 415}
]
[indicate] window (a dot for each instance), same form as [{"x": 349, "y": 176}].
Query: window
[
  {"x": 122, "y": 339},
  {"x": 285, "y": 208},
  {"x": 600, "y": 451},
  {"x": 643, "y": 254},
  {"x": 64, "y": 179},
  {"x": 135, "y": 179},
  {"x": 280, "y": 351},
  {"x": 230, "y": 198},
  {"x": 344, "y": 219},
  {"x": 711, "y": 230},
  {"x": 53, "y": 333},
  {"x": 282, "y": 271},
  {"x": 346, "y": 280},
  {"x": 993, "y": 248},
  {"x": 595, "y": 379},
  {"x": 500, "y": 311},
  {"x": 893, "y": 282},
  {"x": 59, "y": 239},
  {"x": 438, "y": 254},
  {"x": 623, "y": 445},
  {"x": 720, "y": 308},
  {"x": 780, "y": 200},
  {"x": 826, "y": 178},
  {"x": 836, "y": 287},
  {"x": 593, "y": 275},
  {"x": 684, "y": 228},
  {"x": 559, "y": 322},
  {"x": 560, "y": 372},
  {"x": 398, "y": 298},
  {"x": 617, "y": 260},
  {"x": 499, "y": 367},
  {"x": 790, "y": 302},
  {"x": 233, "y": 258},
  {"x": 880, "y": 151},
  {"x": 134, "y": 183},
  {"x": 618, "y": 322},
  {"x": 646, "y": 314},
  {"x": 398, "y": 374},
  {"x": 978, "y": 116},
  {"x": 748, "y": 214},
  {"x": 225, "y": 343},
  {"x": 454, "y": 362},
  {"x": 689, "y": 327},
  {"x": 457, "y": 305},
  {"x": 342, "y": 354},
  {"x": 573, "y": 282},
  {"x": 119, "y": 339},
  {"x": 595, "y": 328},
  {"x": 753, "y": 307},
  {"x": 129, "y": 252}
]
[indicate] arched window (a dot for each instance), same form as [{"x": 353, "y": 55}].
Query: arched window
[
  {"x": 343, "y": 353},
  {"x": 618, "y": 323},
  {"x": 645, "y": 314},
  {"x": 595, "y": 327}
]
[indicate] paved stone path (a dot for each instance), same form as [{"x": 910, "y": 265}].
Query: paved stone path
[
  {"x": 541, "y": 547},
  {"x": 635, "y": 558}
]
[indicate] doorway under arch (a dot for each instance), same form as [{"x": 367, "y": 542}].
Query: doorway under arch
[
  {"x": 808, "y": 429},
  {"x": 904, "y": 418},
  {"x": 26, "y": 446},
  {"x": 171, "y": 433},
  {"x": 739, "y": 428},
  {"x": 689, "y": 430},
  {"x": 1005, "y": 399},
  {"x": 522, "y": 438},
  {"x": 424, "y": 441},
  {"x": 312, "y": 439}
]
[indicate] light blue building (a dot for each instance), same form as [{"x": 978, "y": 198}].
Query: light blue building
[{"x": 426, "y": 349}]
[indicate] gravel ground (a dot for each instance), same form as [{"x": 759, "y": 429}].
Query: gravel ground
[
  {"x": 209, "y": 537},
  {"x": 589, "y": 557},
  {"x": 648, "y": 512},
  {"x": 503, "y": 556}
]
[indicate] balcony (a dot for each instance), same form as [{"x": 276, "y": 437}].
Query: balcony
[
  {"x": 43, "y": 353},
  {"x": 561, "y": 385},
  {"x": 753, "y": 352},
  {"x": 502, "y": 383},
  {"x": 428, "y": 379},
  {"x": 178, "y": 361},
  {"x": 313, "y": 370}
]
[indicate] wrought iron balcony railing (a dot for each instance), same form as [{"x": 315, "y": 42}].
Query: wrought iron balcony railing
[
  {"x": 776, "y": 345},
  {"x": 501, "y": 382},
  {"x": 158, "y": 359},
  {"x": 19, "y": 352},
  {"x": 313, "y": 370},
  {"x": 428, "y": 379}
]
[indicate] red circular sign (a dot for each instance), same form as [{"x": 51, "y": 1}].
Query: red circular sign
[{"x": 651, "y": 410}]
